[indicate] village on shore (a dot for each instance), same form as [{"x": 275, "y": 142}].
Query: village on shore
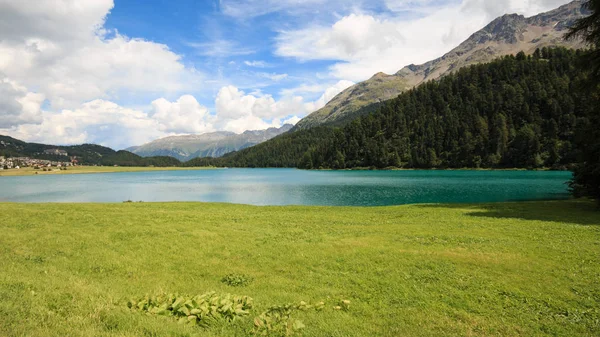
[{"x": 21, "y": 162}]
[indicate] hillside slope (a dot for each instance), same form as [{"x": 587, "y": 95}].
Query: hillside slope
[
  {"x": 86, "y": 154},
  {"x": 506, "y": 35},
  {"x": 214, "y": 144}
]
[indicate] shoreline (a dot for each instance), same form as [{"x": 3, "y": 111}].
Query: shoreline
[
  {"x": 281, "y": 207},
  {"x": 28, "y": 171}
]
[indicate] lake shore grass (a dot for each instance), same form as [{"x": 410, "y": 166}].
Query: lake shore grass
[
  {"x": 29, "y": 171},
  {"x": 505, "y": 269}
]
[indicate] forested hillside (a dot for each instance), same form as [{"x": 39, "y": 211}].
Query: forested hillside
[
  {"x": 518, "y": 111},
  {"x": 86, "y": 154}
]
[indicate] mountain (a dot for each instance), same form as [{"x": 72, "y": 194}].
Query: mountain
[
  {"x": 86, "y": 154},
  {"x": 506, "y": 35},
  {"x": 517, "y": 111},
  {"x": 214, "y": 144}
]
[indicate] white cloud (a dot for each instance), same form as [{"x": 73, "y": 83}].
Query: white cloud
[
  {"x": 238, "y": 111},
  {"x": 231, "y": 103},
  {"x": 328, "y": 95},
  {"x": 249, "y": 123},
  {"x": 366, "y": 44},
  {"x": 292, "y": 120},
  {"x": 107, "y": 123},
  {"x": 98, "y": 121},
  {"x": 17, "y": 106},
  {"x": 37, "y": 19},
  {"x": 61, "y": 49},
  {"x": 220, "y": 48},
  {"x": 257, "y": 64},
  {"x": 273, "y": 76},
  {"x": 185, "y": 115}
]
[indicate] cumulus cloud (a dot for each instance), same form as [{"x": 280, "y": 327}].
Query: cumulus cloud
[
  {"x": 32, "y": 19},
  {"x": 61, "y": 49},
  {"x": 238, "y": 111},
  {"x": 17, "y": 106},
  {"x": 78, "y": 68},
  {"x": 366, "y": 44},
  {"x": 107, "y": 123},
  {"x": 185, "y": 115},
  {"x": 98, "y": 121}
]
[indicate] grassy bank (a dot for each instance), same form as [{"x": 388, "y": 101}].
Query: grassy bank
[
  {"x": 28, "y": 171},
  {"x": 512, "y": 269}
]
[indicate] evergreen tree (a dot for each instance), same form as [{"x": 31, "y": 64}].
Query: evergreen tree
[
  {"x": 588, "y": 28},
  {"x": 586, "y": 176}
]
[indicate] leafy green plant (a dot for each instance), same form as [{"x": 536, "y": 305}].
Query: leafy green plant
[
  {"x": 202, "y": 310},
  {"x": 278, "y": 320},
  {"x": 236, "y": 280}
]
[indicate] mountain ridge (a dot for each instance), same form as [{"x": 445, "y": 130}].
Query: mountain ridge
[
  {"x": 212, "y": 144},
  {"x": 505, "y": 35}
]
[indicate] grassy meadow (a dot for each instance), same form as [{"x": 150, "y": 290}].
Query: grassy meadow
[
  {"x": 29, "y": 171},
  {"x": 506, "y": 269}
]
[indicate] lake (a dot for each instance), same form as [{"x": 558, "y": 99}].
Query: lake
[{"x": 290, "y": 187}]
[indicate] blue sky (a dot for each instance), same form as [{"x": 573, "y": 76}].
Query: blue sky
[
  {"x": 124, "y": 72},
  {"x": 230, "y": 49}
]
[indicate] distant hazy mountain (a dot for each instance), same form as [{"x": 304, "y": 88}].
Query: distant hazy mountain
[
  {"x": 214, "y": 144},
  {"x": 506, "y": 35}
]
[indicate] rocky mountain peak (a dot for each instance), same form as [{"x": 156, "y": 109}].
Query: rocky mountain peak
[
  {"x": 508, "y": 34},
  {"x": 507, "y": 28}
]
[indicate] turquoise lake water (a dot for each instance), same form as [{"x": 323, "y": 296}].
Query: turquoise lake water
[{"x": 290, "y": 187}]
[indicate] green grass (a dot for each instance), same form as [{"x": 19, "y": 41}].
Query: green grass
[
  {"x": 510, "y": 269},
  {"x": 28, "y": 171}
]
